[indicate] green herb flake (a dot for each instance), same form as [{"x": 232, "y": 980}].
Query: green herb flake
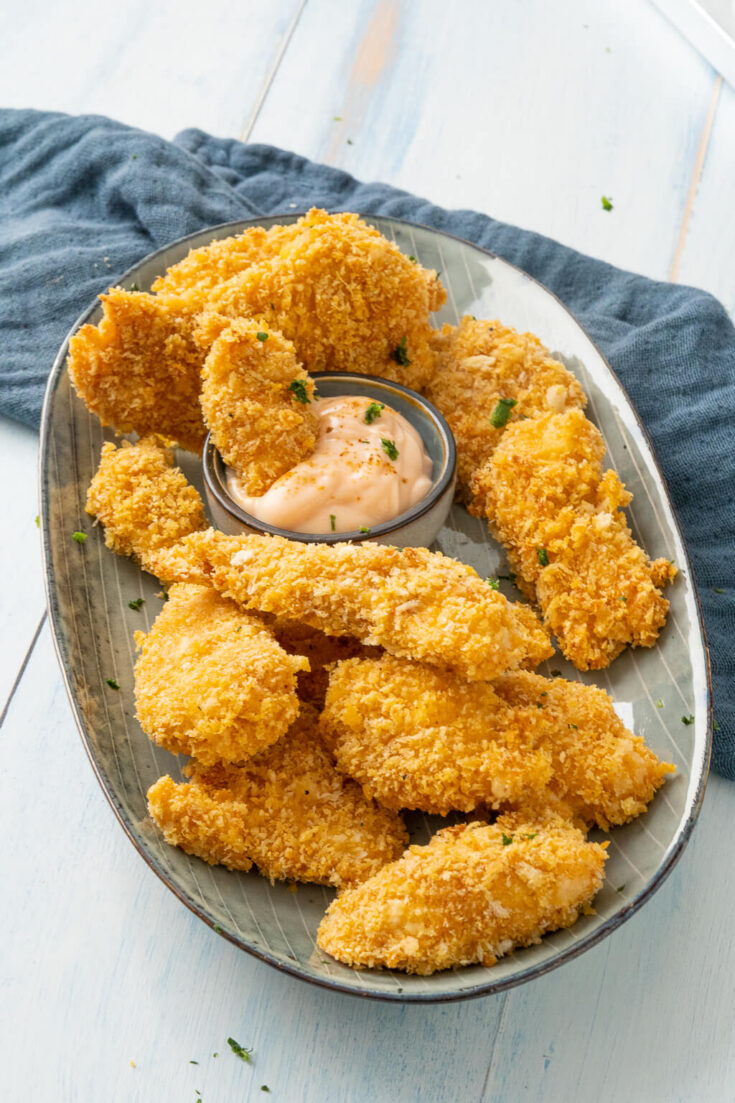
[
  {"x": 112, "y": 683},
  {"x": 300, "y": 393},
  {"x": 264, "y": 1088},
  {"x": 659, "y": 704},
  {"x": 507, "y": 577},
  {"x": 621, "y": 889},
  {"x": 532, "y": 835},
  {"x": 543, "y": 556},
  {"x": 493, "y": 583},
  {"x": 606, "y": 203},
  {"x": 136, "y": 603},
  {"x": 80, "y": 537},
  {"x": 261, "y": 335},
  {"x": 350, "y": 142},
  {"x": 133, "y": 287},
  {"x": 337, "y": 118},
  {"x": 193, "y": 1062},
  {"x": 622, "y": 597},
  {"x": 333, "y": 522},
  {"x": 715, "y": 726},
  {"x": 218, "y": 929},
  {"x": 501, "y": 413},
  {"x": 400, "y": 353},
  {"x": 412, "y": 259},
  {"x": 364, "y": 528},
  {"x": 389, "y": 447},
  {"x": 687, "y": 719},
  {"x": 238, "y": 1050},
  {"x": 373, "y": 412},
  {"x": 715, "y": 589},
  {"x": 38, "y": 523},
  {"x": 506, "y": 839},
  {"x": 573, "y": 726}
]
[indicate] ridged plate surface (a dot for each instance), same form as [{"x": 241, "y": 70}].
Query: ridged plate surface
[{"x": 89, "y": 589}]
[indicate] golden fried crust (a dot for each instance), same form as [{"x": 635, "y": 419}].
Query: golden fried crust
[
  {"x": 211, "y": 681},
  {"x": 417, "y": 737},
  {"x": 478, "y": 363},
  {"x": 546, "y": 497},
  {"x": 287, "y": 810},
  {"x": 257, "y": 402},
  {"x": 143, "y": 501},
  {"x": 347, "y": 298},
  {"x": 410, "y": 601},
  {"x": 322, "y": 652},
  {"x": 473, "y": 894},
  {"x": 139, "y": 369}
]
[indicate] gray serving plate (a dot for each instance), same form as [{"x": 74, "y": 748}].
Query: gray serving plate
[{"x": 89, "y": 588}]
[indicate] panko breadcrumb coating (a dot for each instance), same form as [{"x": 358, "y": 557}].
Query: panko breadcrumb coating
[
  {"x": 473, "y": 894},
  {"x": 322, "y": 652},
  {"x": 410, "y": 601},
  {"x": 211, "y": 681},
  {"x": 139, "y": 369},
  {"x": 346, "y": 296},
  {"x": 417, "y": 737},
  {"x": 257, "y": 402},
  {"x": 479, "y": 363},
  {"x": 143, "y": 501},
  {"x": 546, "y": 498},
  {"x": 287, "y": 810}
]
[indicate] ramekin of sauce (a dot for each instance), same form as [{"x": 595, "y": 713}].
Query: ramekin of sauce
[{"x": 383, "y": 469}]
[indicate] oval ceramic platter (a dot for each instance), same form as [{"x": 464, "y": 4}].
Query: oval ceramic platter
[{"x": 89, "y": 589}]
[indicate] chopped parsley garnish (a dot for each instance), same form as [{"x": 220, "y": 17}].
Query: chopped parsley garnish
[
  {"x": 543, "y": 556},
  {"x": 501, "y": 413},
  {"x": 112, "y": 683},
  {"x": 193, "y": 1062},
  {"x": 363, "y": 528},
  {"x": 659, "y": 704},
  {"x": 389, "y": 447},
  {"x": 136, "y": 603},
  {"x": 573, "y": 726},
  {"x": 507, "y": 577},
  {"x": 133, "y": 287},
  {"x": 715, "y": 589},
  {"x": 350, "y": 142},
  {"x": 687, "y": 719},
  {"x": 412, "y": 259},
  {"x": 218, "y": 929},
  {"x": 238, "y": 1050},
  {"x": 333, "y": 522},
  {"x": 337, "y": 118},
  {"x": 80, "y": 537},
  {"x": 715, "y": 726},
  {"x": 493, "y": 583},
  {"x": 38, "y": 525},
  {"x": 506, "y": 839},
  {"x": 606, "y": 203},
  {"x": 400, "y": 353},
  {"x": 621, "y": 889},
  {"x": 300, "y": 393},
  {"x": 532, "y": 835},
  {"x": 373, "y": 411},
  {"x": 261, "y": 335},
  {"x": 622, "y": 597},
  {"x": 264, "y": 1088}
]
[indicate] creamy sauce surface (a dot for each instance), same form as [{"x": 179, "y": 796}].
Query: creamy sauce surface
[{"x": 351, "y": 480}]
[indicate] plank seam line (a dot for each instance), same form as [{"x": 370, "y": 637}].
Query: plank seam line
[
  {"x": 496, "y": 1039},
  {"x": 247, "y": 130},
  {"x": 23, "y": 666},
  {"x": 694, "y": 183}
]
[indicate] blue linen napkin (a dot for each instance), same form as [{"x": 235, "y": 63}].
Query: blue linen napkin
[{"x": 82, "y": 199}]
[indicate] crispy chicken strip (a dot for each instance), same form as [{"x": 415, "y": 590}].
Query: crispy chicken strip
[
  {"x": 346, "y": 296},
  {"x": 408, "y": 600},
  {"x": 417, "y": 737},
  {"x": 143, "y": 501},
  {"x": 487, "y": 372},
  {"x": 211, "y": 680},
  {"x": 139, "y": 369},
  {"x": 257, "y": 402},
  {"x": 546, "y": 498},
  {"x": 287, "y": 810},
  {"x": 473, "y": 894}
]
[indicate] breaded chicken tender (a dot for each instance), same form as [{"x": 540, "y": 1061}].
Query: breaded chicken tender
[
  {"x": 143, "y": 501},
  {"x": 139, "y": 369},
  {"x": 410, "y": 601},
  {"x": 346, "y": 296},
  {"x": 322, "y": 652},
  {"x": 473, "y": 894},
  {"x": 546, "y": 498},
  {"x": 211, "y": 680},
  {"x": 257, "y": 402},
  {"x": 287, "y": 810},
  {"x": 481, "y": 364},
  {"x": 417, "y": 737}
]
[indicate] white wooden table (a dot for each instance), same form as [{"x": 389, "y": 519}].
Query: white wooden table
[{"x": 109, "y": 988}]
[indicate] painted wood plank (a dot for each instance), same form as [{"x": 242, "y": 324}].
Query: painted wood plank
[
  {"x": 107, "y": 966},
  {"x": 162, "y": 67},
  {"x": 529, "y": 112}
]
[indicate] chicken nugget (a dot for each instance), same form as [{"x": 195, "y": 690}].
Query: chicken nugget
[
  {"x": 473, "y": 894},
  {"x": 489, "y": 375},
  {"x": 143, "y": 501},
  {"x": 546, "y": 498},
  {"x": 346, "y": 296},
  {"x": 417, "y": 737},
  {"x": 211, "y": 680},
  {"x": 287, "y": 810},
  {"x": 410, "y": 601},
  {"x": 139, "y": 369},
  {"x": 257, "y": 402}
]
